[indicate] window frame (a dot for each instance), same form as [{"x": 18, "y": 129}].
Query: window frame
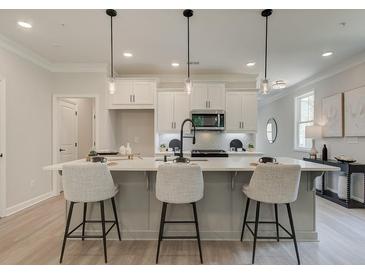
[{"x": 297, "y": 110}]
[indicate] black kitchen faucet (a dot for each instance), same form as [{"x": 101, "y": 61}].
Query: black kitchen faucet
[{"x": 181, "y": 158}]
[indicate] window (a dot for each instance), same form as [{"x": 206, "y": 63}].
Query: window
[{"x": 304, "y": 116}]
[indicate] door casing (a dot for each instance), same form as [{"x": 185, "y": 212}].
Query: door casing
[{"x": 55, "y": 143}]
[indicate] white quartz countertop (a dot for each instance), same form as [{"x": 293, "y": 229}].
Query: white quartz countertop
[
  {"x": 207, "y": 164},
  {"x": 243, "y": 153}
]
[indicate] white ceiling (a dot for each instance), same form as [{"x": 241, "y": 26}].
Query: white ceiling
[{"x": 223, "y": 41}]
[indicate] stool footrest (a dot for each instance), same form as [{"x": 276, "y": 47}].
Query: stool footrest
[
  {"x": 68, "y": 235},
  {"x": 179, "y": 222},
  {"x": 269, "y": 222},
  {"x": 179, "y": 237}
]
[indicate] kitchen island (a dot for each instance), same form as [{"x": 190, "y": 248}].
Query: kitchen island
[{"x": 221, "y": 209}]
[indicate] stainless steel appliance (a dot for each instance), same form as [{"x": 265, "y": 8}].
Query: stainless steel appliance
[
  {"x": 208, "y": 119},
  {"x": 208, "y": 153}
]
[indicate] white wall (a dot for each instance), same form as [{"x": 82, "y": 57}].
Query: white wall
[
  {"x": 89, "y": 83},
  {"x": 28, "y": 132},
  {"x": 137, "y": 128},
  {"x": 283, "y": 111}
]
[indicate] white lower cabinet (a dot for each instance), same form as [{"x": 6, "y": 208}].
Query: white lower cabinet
[
  {"x": 241, "y": 111},
  {"x": 172, "y": 109}
]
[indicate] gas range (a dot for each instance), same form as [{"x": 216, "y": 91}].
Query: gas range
[{"x": 208, "y": 153}]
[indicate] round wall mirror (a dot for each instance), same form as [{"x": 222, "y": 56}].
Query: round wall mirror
[{"x": 271, "y": 130}]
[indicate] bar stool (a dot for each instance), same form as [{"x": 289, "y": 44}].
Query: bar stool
[
  {"x": 272, "y": 184},
  {"x": 179, "y": 183},
  {"x": 86, "y": 183}
]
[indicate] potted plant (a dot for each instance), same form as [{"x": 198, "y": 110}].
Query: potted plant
[
  {"x": 251, "y": 147},
  {"x": 162, "y": 148}
]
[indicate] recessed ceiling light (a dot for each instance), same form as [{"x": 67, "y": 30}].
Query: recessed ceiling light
[
  {"x": 251, "y": 64},
  {"x": 127, "y": 54},
  {"x": 24, "y": 25},
  {"x": 326, "y": 54},
  {"x": 175, "y": 65}
]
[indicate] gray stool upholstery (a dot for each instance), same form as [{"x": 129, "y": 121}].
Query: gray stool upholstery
[
  {"x": 84, "y": 183},
  {"x": 179, "y": 183},
  {"x": 273, "y": 184}
]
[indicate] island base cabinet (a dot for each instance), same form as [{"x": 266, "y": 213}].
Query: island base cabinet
[{"x": 220, "y": 212}]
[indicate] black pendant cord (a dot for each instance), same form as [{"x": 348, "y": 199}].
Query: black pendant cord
[
  {"x": 267, "y": 18},
  {"x": 188, "y": 48},
  {"x": 111, "y": 48}
]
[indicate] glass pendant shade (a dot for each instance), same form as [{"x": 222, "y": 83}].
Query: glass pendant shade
[
  {"x": 188, "y": 85},
  {"x": 265, "y": 86},
  {"x": 111, "y": 86}
]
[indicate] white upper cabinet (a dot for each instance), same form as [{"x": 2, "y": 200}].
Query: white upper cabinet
[
  {"x": 208, "y": 96},
  {"x": 172, "y": 110},
  {"x": 241, "y": 112},
  {"x": 133, "y": 94}
]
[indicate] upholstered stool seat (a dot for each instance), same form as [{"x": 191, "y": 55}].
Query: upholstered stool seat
[
  {"x": 273, "y": 184},
  {"x": 85, "y": 183},
  {"x": 179, "y": 183}
]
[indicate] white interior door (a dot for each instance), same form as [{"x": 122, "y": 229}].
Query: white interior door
[
  {"x": 2, "y": 149},
  {"x": 67, "y": 131}
]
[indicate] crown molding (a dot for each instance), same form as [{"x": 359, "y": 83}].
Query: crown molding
[
  {"x": 349, "y": 63},
  {"x": 38, "y": 60}
]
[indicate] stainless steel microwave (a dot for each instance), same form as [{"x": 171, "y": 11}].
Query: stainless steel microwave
[{"x": 208, "y": 119}]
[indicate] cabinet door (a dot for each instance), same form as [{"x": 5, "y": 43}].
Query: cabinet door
[
  {"x": 181, "y": 109},
  {"x": 165, "y": 111},
  {"x": 234, "y": 111},
  {"x": 249, "y": 110},
  {"x": 199, "y": 96},
  {"x": 216, "y": 96},
  {"x": 143, "y": 92},
  {"x": 123, "y": 92}
]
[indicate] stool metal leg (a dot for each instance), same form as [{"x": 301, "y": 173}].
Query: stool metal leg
[
  {"x": 277, "y": 222},
  {"x": 84, "y": 221},
  {"x": 245, "y": 217},
  {"x": 116, "y": 218},
  {"x": 103, "y": 229},
  {"x": 197, "y": 231},
  {"x": 162, "y": 223},
  {"x": 256, "y": 228},
  {"x": 66, "y": 230},
  {"x": 293, "y": 232}
]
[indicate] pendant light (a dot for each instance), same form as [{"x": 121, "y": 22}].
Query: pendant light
[
  {"x": 188, "y": 83},
  {"x": 265, "y": 82},
  {"x": 111, "y": 84}
]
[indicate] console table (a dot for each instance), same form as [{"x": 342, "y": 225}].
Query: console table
[{"x": 349, "y": 169}]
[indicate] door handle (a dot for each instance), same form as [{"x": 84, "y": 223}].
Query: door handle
[{"x": 61, "y": 149}]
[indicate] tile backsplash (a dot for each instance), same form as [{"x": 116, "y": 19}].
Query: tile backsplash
[{"x": 209, "y": 140}]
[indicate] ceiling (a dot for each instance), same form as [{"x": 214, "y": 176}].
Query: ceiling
[{"x": 223, "y": 41}]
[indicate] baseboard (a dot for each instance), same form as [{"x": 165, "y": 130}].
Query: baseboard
[{"x": 16, "y": 208}]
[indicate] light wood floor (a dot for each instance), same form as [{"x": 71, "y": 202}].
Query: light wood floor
[{"x": 34, "y": 236}]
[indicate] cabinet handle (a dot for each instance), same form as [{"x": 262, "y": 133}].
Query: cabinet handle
[
  {"x": 208, "y": 104},
  {"x": 134, "y": 98},
  {"x": 240, "y": 125},
  {"x": 172, "y": 124},
  {"x": 243, "y": 124}
]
